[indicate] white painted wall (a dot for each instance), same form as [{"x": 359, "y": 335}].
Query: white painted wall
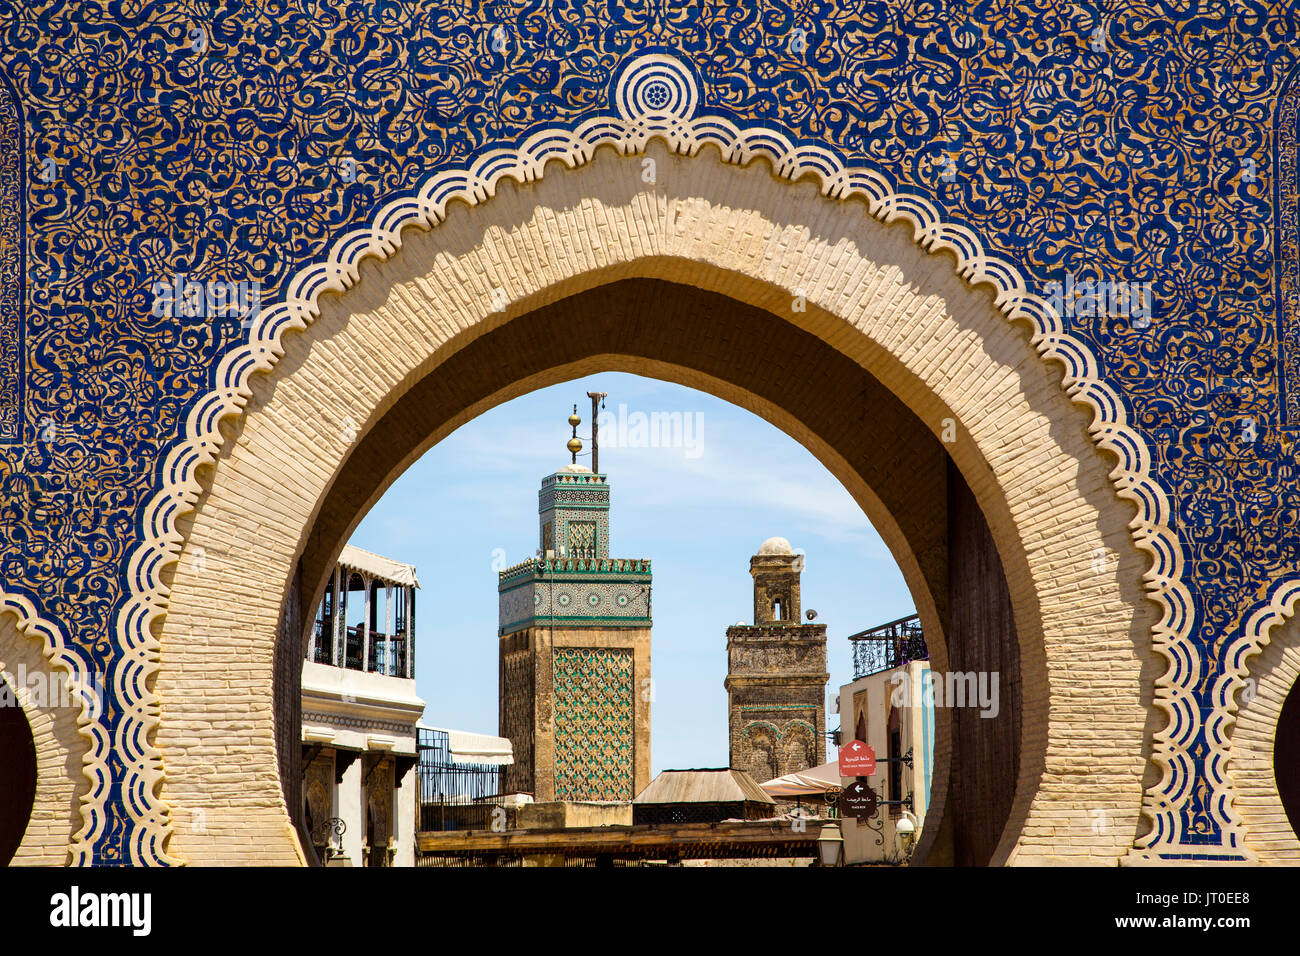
[{"x": 917, "y": 731}]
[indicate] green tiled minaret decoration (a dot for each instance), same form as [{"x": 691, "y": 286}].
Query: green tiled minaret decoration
[{"x": 574, "y": 637}]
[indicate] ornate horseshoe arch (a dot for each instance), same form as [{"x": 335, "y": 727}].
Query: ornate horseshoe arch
[
  {"x": 1263, "y": 665},
  {"x": 61, "y": 704},
  {"x": 655, "y": 99}
]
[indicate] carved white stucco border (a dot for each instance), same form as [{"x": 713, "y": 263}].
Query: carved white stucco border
[{"x": 656, "y": 98}]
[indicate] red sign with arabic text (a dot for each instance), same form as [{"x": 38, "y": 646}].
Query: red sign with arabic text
[{"x": 857, "y": 759}]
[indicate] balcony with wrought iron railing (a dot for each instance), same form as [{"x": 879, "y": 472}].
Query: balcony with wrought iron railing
[
  {"x": 888, "y": 646},
  {"x": 387, "y": 651}
]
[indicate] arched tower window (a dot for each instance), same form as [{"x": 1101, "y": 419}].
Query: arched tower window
[{"x": 776, "y": 569}]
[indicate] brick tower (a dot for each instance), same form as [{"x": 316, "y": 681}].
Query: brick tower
[
  {"x": 776, "y": 674},
  {"x": 574, "y": 637}
]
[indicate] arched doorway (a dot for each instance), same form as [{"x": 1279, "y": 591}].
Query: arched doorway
[
  {"x": 837, "y": 329},
  {"x": 17, "y": 773},
  {"x": 45, "y": 742},
  {"x": 1286, "y": 758},
  {"x": 1265, "y": 733}
]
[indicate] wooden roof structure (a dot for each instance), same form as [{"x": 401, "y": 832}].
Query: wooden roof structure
[
  {"x": 723, "y": 785},
  {"x": 732, "y": 839}
]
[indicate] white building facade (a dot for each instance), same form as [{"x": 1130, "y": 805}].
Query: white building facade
[
  {"x": 360, "y": 714},
  {"x": 889, "y": 708}
]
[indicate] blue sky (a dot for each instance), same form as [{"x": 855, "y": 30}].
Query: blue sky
[{"x": 698, "y": 510}]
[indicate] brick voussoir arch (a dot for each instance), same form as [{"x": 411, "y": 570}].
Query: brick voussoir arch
[{"x": 630, "y": 132}]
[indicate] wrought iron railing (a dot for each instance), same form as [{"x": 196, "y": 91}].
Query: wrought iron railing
[
  {"x": 387, "y": 654},
  {"x": 324, "y": 653},
  {"x": 454, "y": 796},
  {"x": 887, "y": 646}
]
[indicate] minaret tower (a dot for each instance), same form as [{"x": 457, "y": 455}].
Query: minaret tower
[
  {"x": 776, "y": 673},
  {"x": 574, "y": 638}
]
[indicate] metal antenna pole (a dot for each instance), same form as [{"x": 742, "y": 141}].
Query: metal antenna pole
[
  {"x": 595, "y": 429},
  {"x": 574, "y": 445}
]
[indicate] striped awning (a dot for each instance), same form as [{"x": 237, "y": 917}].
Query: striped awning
[{"x": 378, "y": 567}]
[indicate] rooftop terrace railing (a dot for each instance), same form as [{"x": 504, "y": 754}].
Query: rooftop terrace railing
[
  {"x": 888, "y": 646},
  {"x": 454, "y": 796}
]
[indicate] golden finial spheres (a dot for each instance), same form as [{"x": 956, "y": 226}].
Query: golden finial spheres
[{"x": 575, "y": 444}]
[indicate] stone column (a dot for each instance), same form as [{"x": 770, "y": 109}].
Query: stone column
[
  {"x": 352, "y": 810},
  {"x": 409, "y": 592},
  {"x": 388, "y": 626},
  {"x": 405, "y": 809},
  {"x": 340, "y": 613},
  {"x": 365, "y": 625}
]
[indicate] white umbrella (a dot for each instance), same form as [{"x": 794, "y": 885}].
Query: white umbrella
[{"x": 815, "y": 781}]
